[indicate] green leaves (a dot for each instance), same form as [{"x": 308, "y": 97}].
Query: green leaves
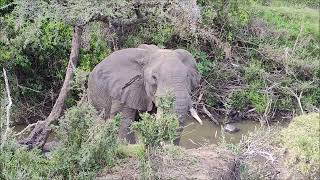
[
  {"x": 88, "y": 143},
  {"x": 154, "y": 130}
]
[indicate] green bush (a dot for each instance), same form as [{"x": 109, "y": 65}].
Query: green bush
[
  {"x": 17, "y": 162},
  {"x": 97, "y": 49},
  {"x": 87, "y": 143},
  {"x": 250, "y": 97},
  {"x": 301, "y": 138},
  {"x": 158, "y": 33},
  {"x": 205, "y": 65},
  {"x": 154, "y": 130}
]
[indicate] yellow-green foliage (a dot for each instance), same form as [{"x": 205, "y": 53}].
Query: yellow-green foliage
[{"x": 302, "y": 140}]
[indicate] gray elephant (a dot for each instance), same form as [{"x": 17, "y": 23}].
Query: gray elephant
[{"x": 129, "y": 80}]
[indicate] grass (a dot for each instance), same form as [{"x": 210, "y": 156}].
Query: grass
[
  {"x": 302, "y": 140},
  {"x": 291, "y": 18}
]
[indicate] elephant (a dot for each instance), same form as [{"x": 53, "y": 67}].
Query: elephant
[{"x": 129, "y": 80}]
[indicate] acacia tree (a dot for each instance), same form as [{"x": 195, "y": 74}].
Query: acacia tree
[{"x": 79, "y": 14}]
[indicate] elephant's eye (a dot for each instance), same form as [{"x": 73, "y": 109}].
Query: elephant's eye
[{"x": 154, "y": 79}]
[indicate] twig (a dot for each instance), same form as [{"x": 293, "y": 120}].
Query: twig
[
  {"x": 23, "y": 87},
  {"x": 7, "y": 109}
]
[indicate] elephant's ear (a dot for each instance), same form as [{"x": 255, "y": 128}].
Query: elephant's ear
[
  {"x": 188, "y": 60},
  {"x": 122, "y": 75}
]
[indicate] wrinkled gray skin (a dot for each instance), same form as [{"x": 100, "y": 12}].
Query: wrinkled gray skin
[{"x": 129, "y": 80}]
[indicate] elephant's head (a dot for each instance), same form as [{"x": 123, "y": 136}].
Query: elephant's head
[{"x": 171, "y": 71}]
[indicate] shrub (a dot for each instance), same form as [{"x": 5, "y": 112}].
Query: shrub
[
  {"x": 301, "y": 138},
  {"x": 155, "y": 33},
  {"x": 154, "y": 130},
  {"x": 250, "y": 97},
  {"x": 17, "y": 162},
  {"x": 87, "y": 144},
  {"x": 205, "y": 65}
]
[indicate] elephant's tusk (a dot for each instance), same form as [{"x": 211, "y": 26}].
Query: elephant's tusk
[{"x": 195, "y": 115}]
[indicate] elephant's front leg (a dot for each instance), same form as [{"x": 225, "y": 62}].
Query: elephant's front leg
[{"x": 127, "y": 117}]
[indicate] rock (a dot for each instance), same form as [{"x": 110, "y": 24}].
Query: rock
[{"x": 230, "y": 128}]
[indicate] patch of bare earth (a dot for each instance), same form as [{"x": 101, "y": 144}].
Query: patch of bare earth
[{"x": 203, "y": 163}]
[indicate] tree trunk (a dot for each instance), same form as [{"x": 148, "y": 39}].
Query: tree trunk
[{"x": 40, "y": 133}]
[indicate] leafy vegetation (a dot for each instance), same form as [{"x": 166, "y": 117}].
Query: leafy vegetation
[
  {"x": 257, "y": 58},
  {"x": 86, "y": 145},
  {"x": 302, "y": 140},
  {"x": 245, "y": 44}
]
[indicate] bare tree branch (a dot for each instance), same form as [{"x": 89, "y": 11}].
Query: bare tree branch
[{"x": 8, "y": 108}]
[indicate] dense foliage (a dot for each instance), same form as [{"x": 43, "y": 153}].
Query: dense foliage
[
  {"x": 255, "y": 57},
  {"x": 86, "y": 145},
  {"x": 259, "y": 59}
]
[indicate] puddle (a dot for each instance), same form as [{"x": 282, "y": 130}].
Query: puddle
[{"x": 195, "y": 135}]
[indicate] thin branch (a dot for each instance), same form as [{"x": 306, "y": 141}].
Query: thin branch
[
  {"x": 298, "y": 98},
  {"x": 7, "y": 109}
]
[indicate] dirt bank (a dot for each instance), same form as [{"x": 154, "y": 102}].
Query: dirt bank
[{"x": 178, "y": 163}]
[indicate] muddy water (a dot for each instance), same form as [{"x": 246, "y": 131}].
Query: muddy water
[{"x": 195, "y": 135}]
